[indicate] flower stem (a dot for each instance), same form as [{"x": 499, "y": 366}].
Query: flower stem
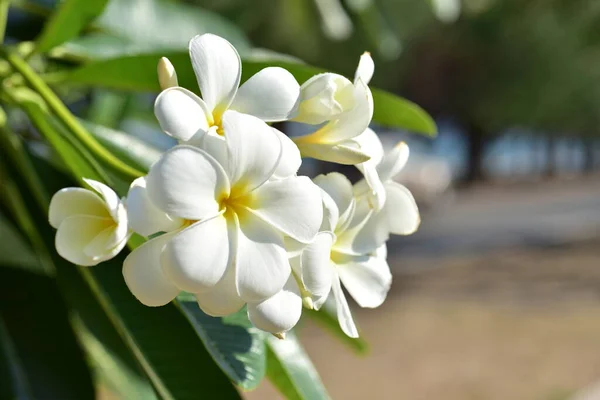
[
  {"x": 68, "y": 119},
  {"x": 3, "y": 18}
]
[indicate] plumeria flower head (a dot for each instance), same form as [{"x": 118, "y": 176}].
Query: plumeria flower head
[
  {"x": 348, "y": 109},
  {"x": 271, "y": 94},
  {"x": 91, "y": 225},
  {"x": 233, "y": 215}
]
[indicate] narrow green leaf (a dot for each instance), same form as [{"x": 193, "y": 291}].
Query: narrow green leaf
[
  {"x": 236, "y": 345},
  {"x": 80, "y": 163},
  {"x": 138, "y": 73},
  {"x": 327, "y": 319},
  {"x": 128, "y": 148},
  {"x": 68, "y": 21},
  {"x": 290, "y": 370}
]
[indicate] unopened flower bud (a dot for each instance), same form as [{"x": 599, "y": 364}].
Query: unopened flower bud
[{"x": 167, "y": 77}]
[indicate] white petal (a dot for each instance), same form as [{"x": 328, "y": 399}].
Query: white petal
[
  {"x": 352, "y": 122},
  {"x": 109, "y": 242},
  {"x": 181, "y": 113},
  {"x": 144, "y": 217},
  {"x": 324, "y": 97},
  {"x": 75, "y": 201},
  {"x": 218, "y": 70},
  {"x": 75, "y": 233},
  {"x": 262, "y": 266},
  {"x": 213, "y": 143},
  {"x": 144, "y": 275},
  {"x": 369, "y": 143},
  {"x": 316, "y": 265},
  {"x": 401, "y": 210},
  {"x": 393, "y": 162},
  {"x": 292, "y": 206},
  {"x": 365, "y": 68},
  {"x": 186, "y": 182},
  {"x": 342, "y": 309},
  {"x": 111, "y": 199},
  {"x": 254, "y": 150},
  {"x": 167, "y": 77},
  {"x": 196, "y": 258},
  {"x": 223, "y": 298},
  {"x": 271, "y": 95},
  {"x": 279, "y": 313},
  {"x": 347, "y": 152},
  {"x": 368, "y": 280},
  {"x": 339, "y": 188},
  {"x": 290, "y": 157},
  {"x": 331, "y": 214},
  {"x": 373, "y": 234}
]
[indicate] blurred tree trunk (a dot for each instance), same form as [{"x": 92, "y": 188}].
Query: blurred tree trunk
[
  {"x": 550, "y": 168},
  {"x": 475, "y": 147},
  {"x": 588, "y": 155}
]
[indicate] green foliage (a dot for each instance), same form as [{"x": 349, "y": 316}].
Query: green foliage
[
  {"x": 68, "y": 21},
  {"x": 291, "y": 371},
  {"x": 236, "y": 345}
]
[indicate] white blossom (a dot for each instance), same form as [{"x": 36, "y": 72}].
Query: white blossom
[
  {"x": 271, "y": 94},
  {"x": 91, "y": 226},
  {"x": 330, "y": 259},
  {"x": 399, "y": 215},
  {"x": 230, "y": 249},
  {"x": 347, "y": 109}
]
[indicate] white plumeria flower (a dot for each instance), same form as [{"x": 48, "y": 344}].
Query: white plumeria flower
[
  {"x": 399, "y": 215},
  {"x": 228, "y": 250},
  {"x": 91, "y": 228},
  {"x": 330, "y": 259},
  {"x": 271, "y": 94},
  {"x": 348, "y": 108}
]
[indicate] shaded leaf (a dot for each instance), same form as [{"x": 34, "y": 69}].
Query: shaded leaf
[
  {"x": 236, "y": 345},
  {"x": 36, "y": 326},
  {"x": 135, "y": 26},
  {"x": 134, "y": 151},
  {"x": 290, "y": 370},
  {"x": 68, "y": 21}
]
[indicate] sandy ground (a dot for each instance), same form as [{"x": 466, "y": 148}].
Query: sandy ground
[{"x": 512, "y": 324}]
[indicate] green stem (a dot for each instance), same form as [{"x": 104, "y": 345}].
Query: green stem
[
  {"x": 3, "y": 18},
  {"x": 68, "y": 119}
]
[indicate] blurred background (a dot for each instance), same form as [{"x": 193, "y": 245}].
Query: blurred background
[{"x": 497, "y": 296}]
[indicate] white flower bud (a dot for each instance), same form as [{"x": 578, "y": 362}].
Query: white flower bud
[{"x": 167, "y": 77}]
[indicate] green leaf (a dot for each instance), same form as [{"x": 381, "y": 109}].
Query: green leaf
[
  {"x": 138, "y": 73},
  {"x": 128, "y": 148},
  {"x": 39, "y": 338},
  {"x": 68, "y": 21},
  {"x": 290, "y": 370},
  {"x": 327, "y": 319},
  {"x": 136, "y": 26},
  {"x": 236, "y": 345},
  {"x": 81, "y": 164}
]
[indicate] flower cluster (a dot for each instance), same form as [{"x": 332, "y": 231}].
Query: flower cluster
[{"x": 226, "y": 215}]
